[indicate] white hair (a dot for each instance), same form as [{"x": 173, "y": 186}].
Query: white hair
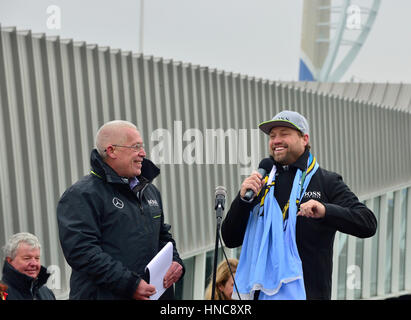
[
  {"x": 10, "y": 248},
  {"x": 108, "y": 133}
]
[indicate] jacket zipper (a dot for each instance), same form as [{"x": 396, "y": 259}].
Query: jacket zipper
[{"x": 140, "y": 197}]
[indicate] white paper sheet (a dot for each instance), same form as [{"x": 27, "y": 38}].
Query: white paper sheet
[{"x": 158, "y": 267}]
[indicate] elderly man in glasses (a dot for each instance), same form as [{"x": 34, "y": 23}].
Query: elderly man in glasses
[{"x": 111, "y": 222}]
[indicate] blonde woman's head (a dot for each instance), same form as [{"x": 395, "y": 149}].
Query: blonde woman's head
[{"x": 224, "y": 281}]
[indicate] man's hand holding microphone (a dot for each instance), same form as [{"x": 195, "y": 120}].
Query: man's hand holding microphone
[{"x": 252, "y": 185}]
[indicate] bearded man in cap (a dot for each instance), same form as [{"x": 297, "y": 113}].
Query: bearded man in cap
[{"x": 287, "y": 229}]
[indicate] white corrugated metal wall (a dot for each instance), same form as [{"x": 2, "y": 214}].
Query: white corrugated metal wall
[
  {"x": 54, "y": 94},
  {"x": 393, "y": 95}
]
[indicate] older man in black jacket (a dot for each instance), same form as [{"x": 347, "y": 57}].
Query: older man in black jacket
[
  {"x": 326, "y": 206},
  {"x": 111, "y": 222},
  {"x": 23, "y": 274}
]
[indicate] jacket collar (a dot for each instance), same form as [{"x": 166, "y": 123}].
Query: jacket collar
[
  {"x": 22, "y": 282},
  {"x": 149, "y": 171}
]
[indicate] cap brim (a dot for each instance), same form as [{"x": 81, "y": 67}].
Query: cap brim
[{"x": 266, "y": 126}]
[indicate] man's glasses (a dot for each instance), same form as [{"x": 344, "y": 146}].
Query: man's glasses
[{"x": 137, "y": 147}]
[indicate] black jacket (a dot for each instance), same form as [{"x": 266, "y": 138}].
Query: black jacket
[
  {"x": 23, "y": 287},
  {"x": 109, "y": 233},
  {"x": 314, "y": 237}
]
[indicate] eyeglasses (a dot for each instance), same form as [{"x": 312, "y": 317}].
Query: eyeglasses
[{"x": 137, "y": 147}]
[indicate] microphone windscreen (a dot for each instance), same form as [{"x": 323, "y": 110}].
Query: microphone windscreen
[
  {"x": 266, "y": 164},
  {"x": 220, "y": 191}
]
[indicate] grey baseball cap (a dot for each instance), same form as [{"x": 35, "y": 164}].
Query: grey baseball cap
[{"x": 286, "y": 118}]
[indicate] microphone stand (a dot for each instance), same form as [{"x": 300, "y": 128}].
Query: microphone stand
[{"x": 219, "y": 216}]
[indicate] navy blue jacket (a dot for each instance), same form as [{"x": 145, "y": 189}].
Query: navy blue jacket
[
  {"x": 23, "y": 287},
  {"x": 109, "y": 233}
]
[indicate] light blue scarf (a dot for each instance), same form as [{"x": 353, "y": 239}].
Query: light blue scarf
[{"x": 269, "y": 259}]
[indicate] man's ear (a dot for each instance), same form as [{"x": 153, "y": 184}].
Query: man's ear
[
  {"x": 306, "y": 139},
  {"x": 8, "y": 259},
  {"x": 110, "y": 152}
]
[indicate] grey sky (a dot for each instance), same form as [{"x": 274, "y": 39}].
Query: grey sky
[{"x": 254, "y": 37}]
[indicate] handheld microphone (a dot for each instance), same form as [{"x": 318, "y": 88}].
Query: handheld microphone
[{"x": 264, "y": 168}]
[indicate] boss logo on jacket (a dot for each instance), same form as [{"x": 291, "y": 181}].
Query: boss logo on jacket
[{"x": 312, "y": 195}]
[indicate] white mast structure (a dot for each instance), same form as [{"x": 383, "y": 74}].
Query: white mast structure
[{"x": 333, "y": 33}]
